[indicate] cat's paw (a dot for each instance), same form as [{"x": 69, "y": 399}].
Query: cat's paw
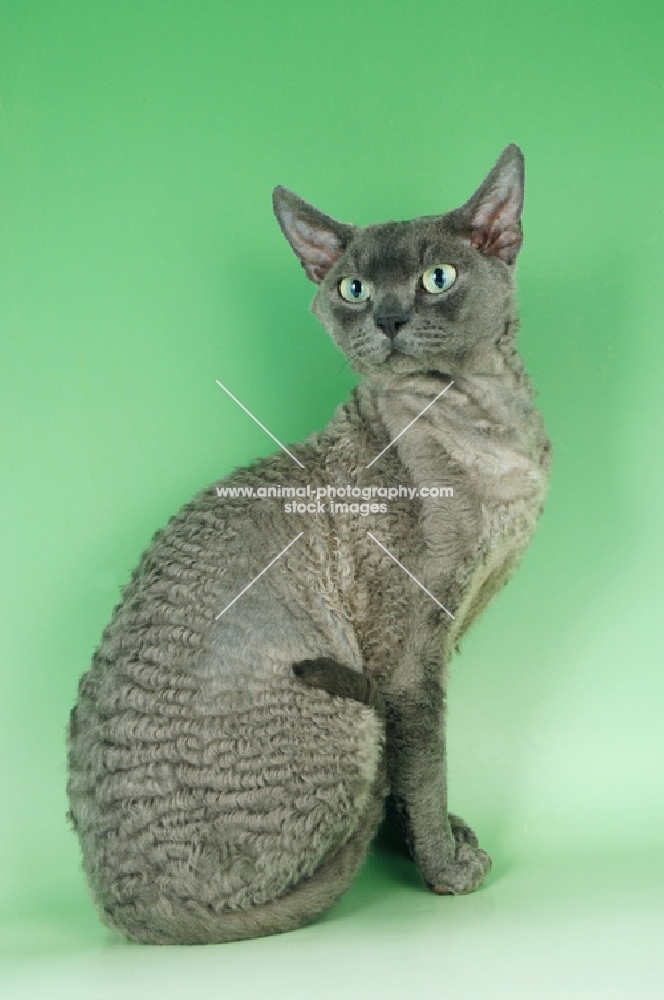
[
  {"x": 464, "y": 874},
  {"x": 470, "y": 865}
]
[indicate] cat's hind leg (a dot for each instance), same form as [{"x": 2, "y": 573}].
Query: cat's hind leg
[
  {"x": 259, "y": 847},
  {"x": 298, "y": 906}
]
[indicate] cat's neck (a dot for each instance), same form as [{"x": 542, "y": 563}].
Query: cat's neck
[{"x": 484, "y": 425}]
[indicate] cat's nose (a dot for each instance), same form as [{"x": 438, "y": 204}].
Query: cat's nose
[{"x": 390, "y": 323}]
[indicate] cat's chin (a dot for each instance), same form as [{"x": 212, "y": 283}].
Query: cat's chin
[
  {"x": 427, "y": 382},
  {"x": 405, "y": 369},
  {"x": 399, "y": 372},
  {"x": 405, "y": 365}
]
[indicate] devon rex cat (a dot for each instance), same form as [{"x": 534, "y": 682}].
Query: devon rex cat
[{"x": 231, "y": 760}]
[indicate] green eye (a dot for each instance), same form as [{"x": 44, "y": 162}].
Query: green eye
[
  {"x": 439, "y": 278},
  {"x": 353, "y": 290}
]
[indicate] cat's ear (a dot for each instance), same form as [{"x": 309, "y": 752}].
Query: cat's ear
[
  {"x": 318, "y": 240},
  {"x": 491, "y": 219}
]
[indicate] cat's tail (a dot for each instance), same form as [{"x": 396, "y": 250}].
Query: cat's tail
[{"x": 338, "y": 679}]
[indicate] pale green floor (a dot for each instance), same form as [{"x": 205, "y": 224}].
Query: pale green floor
[{"x": 566, "y": 926}]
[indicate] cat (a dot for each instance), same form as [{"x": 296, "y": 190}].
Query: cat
[{"x": 230, "y": 758}]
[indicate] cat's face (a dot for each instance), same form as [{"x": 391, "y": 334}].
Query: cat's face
[{"x": 411, "y": 303}]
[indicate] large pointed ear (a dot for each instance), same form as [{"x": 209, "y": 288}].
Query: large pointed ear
[
  {"x": 318, "y": 240},
  {"x": 491, "y": 219}
]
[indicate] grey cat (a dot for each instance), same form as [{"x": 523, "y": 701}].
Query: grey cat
[{"x": 231, "y": 758}]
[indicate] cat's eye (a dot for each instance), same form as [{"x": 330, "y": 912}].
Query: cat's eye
[
  {"x": 353, "y": 290},
  {"x": 439, "y": 278}
]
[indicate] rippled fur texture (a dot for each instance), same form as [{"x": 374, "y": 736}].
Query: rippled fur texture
[{"x": 227, "y": 774}]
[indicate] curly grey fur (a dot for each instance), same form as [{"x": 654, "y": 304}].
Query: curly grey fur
[{"x": 226, "y": 775}]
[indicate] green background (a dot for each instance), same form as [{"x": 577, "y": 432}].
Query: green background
[{"x": 140, "y": 262}]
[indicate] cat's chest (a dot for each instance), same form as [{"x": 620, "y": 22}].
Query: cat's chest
[
  {"x": 498, "y": 474},
  {"x": 506, "y": 531}
]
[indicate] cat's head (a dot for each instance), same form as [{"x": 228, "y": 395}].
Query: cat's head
[{"x": 411, "y": 302}]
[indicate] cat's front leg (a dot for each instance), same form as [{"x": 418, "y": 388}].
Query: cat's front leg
[{"x": 443, "y": 847}]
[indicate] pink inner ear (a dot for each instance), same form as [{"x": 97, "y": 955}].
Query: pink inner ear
[
  {"x": 320, "y": 241},
  {"x": 496, "y": 229},
  {"x": 503, "y": 243},
  {"x": 317, "y": 248}
]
